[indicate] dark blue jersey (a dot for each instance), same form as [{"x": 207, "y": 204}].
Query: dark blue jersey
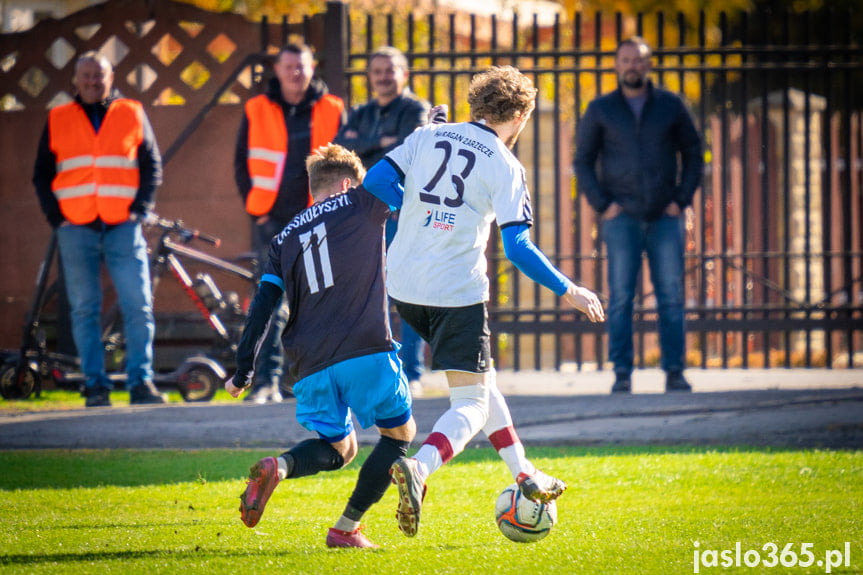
[{"x": 331, "y": 260}]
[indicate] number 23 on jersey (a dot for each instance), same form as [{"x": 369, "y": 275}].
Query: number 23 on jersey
[{"x": 428, "y": 196}]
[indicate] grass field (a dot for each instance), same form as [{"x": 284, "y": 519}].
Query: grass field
[
  {"x": 61, "y": 399},
  {"x": 629, "y": 510}
]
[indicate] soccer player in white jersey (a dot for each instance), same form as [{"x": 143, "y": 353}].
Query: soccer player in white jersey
[{"x": 451, "y": 182}]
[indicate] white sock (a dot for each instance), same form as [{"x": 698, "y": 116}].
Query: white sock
[
  {"x": 345, "y": 524},
  {"x": 283, "y": 467},
  {"x": 516, "y": 460},
  {"x": 428, "y": 461},
  {"x": 501, "y": 432},
  {"x": 455, "y": 428}
]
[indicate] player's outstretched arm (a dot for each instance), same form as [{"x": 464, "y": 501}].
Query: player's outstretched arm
[
  {"x": 585, "y": 301},
  {"x": 263, "y": 305},
  {"x": 528, "y": 258}
]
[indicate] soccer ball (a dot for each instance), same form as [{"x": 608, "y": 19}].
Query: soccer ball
[{"x": 521, "y": 519}]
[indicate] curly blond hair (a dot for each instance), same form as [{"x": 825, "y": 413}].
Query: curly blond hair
[
  {"x": 499, "y": 93},
  {"x": 332, "y": 163}
]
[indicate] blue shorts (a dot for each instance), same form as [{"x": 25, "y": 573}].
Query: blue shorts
[{"x": 372, "y": 387}]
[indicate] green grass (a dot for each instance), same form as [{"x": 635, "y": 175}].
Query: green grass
[
  {"x": 629, "y": 510},
  {"x": 61, "y": 400}
]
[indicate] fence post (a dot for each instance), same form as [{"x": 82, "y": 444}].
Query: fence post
[
  {"x": 336, "y": 49},
  {"x": 257, "y": 68}
]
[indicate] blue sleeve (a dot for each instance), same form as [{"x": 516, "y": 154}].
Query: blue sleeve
[
  {"x": 274, "y": 279},
  {"x": 522, "y": 252},
  {"x": 385, "y": 181}
]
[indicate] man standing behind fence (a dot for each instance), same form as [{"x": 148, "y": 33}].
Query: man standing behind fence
[
  {"x": 636, "y": 134},
  {"x": 96, "y": 174},
  {"x": 277, "y": 133},
  {"x": 374, "y": 129},
  {"x": 381, "y": 124}
]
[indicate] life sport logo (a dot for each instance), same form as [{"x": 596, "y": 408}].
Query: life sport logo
[{"x": 440, "y": 220}]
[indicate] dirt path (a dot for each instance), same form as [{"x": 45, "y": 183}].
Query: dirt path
[{"x": 830, "y": 418}]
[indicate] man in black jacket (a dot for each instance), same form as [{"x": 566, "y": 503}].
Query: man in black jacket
[
  {"x": 372, "y": 130},
  {"x": 375, "y": 128},
  {"x": 636, "y": 135}
]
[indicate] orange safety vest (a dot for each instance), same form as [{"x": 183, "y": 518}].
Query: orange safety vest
[
  {"x": 97, "y": 174},
  {"x": 268, "y": 145}
]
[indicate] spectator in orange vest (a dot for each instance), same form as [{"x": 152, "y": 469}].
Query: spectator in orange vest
[
  {"x": 96, "y": 174},
  {"x": 278, "y": 131}
]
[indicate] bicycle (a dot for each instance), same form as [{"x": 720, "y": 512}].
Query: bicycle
[{"x": 197, "y": 378}]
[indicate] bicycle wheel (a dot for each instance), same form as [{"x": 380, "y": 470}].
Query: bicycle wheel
[
  {"x": 198, "y": 385},
  {"x": 21, "y": 389}
]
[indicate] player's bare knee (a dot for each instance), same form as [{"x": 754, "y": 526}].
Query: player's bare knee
[
  {"x": 405, "y": 432},
  {"x": 465, "y": 378},
  {"x": 347, "y": 448}
]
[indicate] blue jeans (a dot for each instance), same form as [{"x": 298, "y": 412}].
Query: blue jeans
[
  {"x": 411, "y": 353},
  {"x": 270, "y": 363},
  {"x": 626, "y": 238},
  {"x": 124, "y": 251}
]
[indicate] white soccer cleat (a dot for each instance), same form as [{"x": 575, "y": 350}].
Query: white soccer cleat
[
  {"x": 412, "y": 491},
  {"x": 540, "y": 487}
]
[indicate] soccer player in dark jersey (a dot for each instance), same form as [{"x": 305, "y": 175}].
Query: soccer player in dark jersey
[{"x": 329, "y": 262}]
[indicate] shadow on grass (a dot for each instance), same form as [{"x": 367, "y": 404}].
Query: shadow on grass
[
  {"x": 76, "y": 527},
  {"x": 72, "y": 469},
  {"x": 536, "y": 452},
  {"x": 197, "y": 554}
]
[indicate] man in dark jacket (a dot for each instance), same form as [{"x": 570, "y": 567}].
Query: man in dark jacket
[
  {"x": 277, "y": 133},
  {"x": 636, "y": 134},
  {"x": 381, "y": 124},
  {"x": 375, "y": 128}
]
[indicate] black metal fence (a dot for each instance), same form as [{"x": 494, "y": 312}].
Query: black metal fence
[{"x": 774, "y": 238}]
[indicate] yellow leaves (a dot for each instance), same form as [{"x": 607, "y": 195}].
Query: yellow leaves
[{"x": 256, "y": 9}]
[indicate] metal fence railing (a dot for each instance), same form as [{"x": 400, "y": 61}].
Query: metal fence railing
[
  {"x": 774, "y": 238},
  {"x": 774, "y": 272}
]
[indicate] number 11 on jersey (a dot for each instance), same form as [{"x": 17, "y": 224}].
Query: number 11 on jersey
[{"x": 319, "y": 232}]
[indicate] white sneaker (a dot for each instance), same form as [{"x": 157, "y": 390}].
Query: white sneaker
[{"x": 258, "y": 396}]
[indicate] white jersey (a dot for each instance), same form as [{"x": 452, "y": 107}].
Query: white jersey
[{"x": 458, "y": 179}]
